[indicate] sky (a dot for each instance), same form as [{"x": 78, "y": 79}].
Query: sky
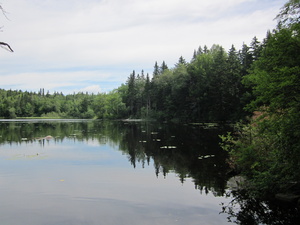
[{"x": 93, "y": 45}]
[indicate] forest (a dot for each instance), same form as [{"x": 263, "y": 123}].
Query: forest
[
  {"x": 22, "y": 104},
  {"x": 256, "y": 87},
  {"x": 207, "y": 89}
]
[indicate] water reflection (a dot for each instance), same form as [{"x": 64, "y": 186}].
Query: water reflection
[
  {"x": 189, "y": 152},
  {"x": 245, "y": 209},
  {"x": 81, "y": 172},
  {"x": 178, "y": 149},
  {"x": 80, "y": 166}
]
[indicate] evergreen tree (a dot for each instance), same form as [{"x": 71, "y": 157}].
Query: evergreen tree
[
  {"x": 163, "y": 67},
  {"x": 156, "y": 70},
  {"x": 235, "y": 90},
  {"x": 199, "y": 51},
  {"x": 147, "y": 94},
  {"x": 131, "y": 95},
  {"x": 255, "y": 49},
  {"x": 194, "y": 56},
  {"x": 181, "y": 61},
  {"x": 218, "y": 84},
  {"x": 205, "y": 49},
  {"x": 245, "y": 59}
]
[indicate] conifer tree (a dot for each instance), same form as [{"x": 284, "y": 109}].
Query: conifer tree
[
  {"x": 163, "y": 67},
  {"x": 132, "y": 93},
  {"x": 156, "y": 70}
]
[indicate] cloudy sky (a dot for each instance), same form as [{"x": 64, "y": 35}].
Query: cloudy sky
[{"x": 93, "y": 45}]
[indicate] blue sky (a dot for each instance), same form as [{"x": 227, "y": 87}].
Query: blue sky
[{"x": 93, "y": 45}]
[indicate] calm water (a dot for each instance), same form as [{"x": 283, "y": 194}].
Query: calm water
[{"x": 93, "y": 172}]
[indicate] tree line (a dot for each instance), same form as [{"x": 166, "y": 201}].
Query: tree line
[
  {"x": 15, "y": 104},
  {"x": 207, "y": 89}
]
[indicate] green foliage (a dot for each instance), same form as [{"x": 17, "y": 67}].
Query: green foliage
[
  {"x": 15, "y": 104},
  {"x": 51, "y": 115},
  {"x": 208, "y": 89},
  {"x": 275, "y": 76},
  {"x": 227, "y": 142},
  {"x": 268, "y": 149},
  {"x": 265, "y": 153},
  {"x": 289, "y": 14}
]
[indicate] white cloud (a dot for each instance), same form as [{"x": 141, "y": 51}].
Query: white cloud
[
  {"x": 113, "y": 37},
  {"x": 56, "y": 81},
  {"x": 91, "y": 89}
]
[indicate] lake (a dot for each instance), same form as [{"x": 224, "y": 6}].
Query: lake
[{"x": 93, "y": 172}]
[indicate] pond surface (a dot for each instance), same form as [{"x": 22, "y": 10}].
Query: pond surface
[{"x": 92, "y": 172}]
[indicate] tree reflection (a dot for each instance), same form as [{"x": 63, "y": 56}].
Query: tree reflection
[
  {"x": 246, "y": 210},
  {"x": 175, "y": 149},
  {"x": 191, "y": 152}
]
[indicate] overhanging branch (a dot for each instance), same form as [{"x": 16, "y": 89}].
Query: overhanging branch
[{"x": 6, "y": 46}]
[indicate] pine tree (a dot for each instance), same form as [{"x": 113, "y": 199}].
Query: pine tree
[
  {"x": 181, "y": 61},
  {"x": 245, "y": 59},
  {"x": 255, "y": 49},
  {"x": 156, "y": 70},
  {"x": 194, "y": 56},
  {"x": 131, "y": 95},
  {"x": 147, "y": 94},
  {"x": 163, "y": 68},
  {"x": 200, "y": 51}
]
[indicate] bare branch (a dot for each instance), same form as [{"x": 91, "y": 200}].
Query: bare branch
[
  {"x": 7, "y": 47},
  {"x": 3, "y": 44},
  {"x": 3, "y": 12}
]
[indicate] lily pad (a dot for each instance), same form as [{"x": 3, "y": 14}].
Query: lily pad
[{"x": 206, "y": 156}]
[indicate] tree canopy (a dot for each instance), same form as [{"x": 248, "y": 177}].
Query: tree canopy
[{"x": 268, "y": 149}]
